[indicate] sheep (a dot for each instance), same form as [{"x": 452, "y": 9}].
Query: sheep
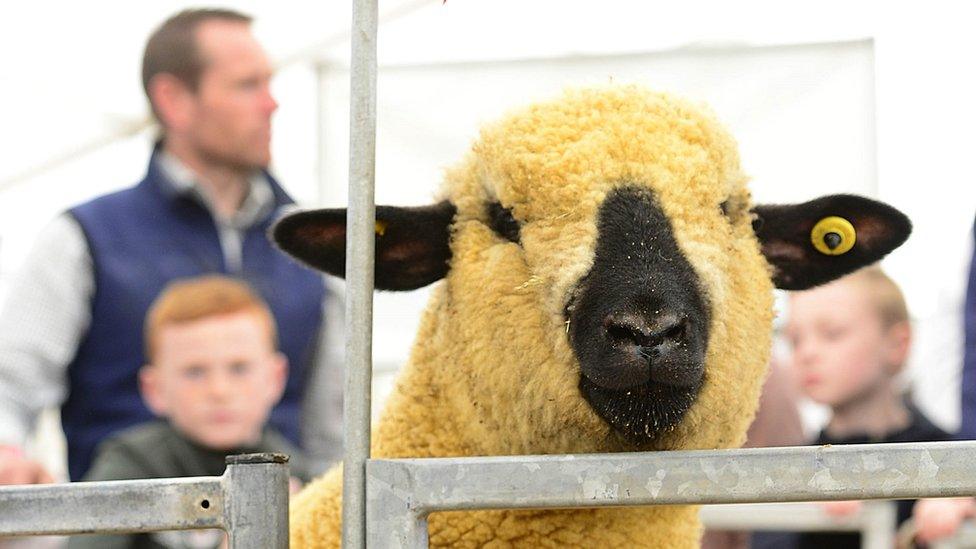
[{"x": 607, "y": 287}]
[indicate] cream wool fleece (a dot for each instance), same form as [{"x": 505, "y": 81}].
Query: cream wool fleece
[{"x": 492, "y": 371}]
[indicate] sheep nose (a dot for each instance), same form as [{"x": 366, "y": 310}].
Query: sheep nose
[
  {"x": 658, "y": 341},
  {"x": 650, "y": 333}
]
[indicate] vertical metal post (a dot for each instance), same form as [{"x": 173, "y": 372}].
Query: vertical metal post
[
  {"x": 880, "y": 519},
  {"x": 256, "y": 501},
  {"x": 360, "y": 230}
]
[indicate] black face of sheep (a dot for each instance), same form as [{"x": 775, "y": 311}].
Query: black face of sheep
[{"x": 638, "y": 320}]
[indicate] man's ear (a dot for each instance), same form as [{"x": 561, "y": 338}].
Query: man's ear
[
  {"x": 172, "y": 100},
  {"x": 815, "y": 242},
  {"x": 412, "y": 244}
]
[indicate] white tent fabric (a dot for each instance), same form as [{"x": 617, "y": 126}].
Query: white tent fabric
[{"x": 871, "y": 97}]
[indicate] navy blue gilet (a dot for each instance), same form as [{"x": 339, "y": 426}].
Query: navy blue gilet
[{"x": 140, "y": 239}]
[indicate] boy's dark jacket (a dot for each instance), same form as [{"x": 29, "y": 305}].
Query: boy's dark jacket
[{"x": 157, "y": 450}]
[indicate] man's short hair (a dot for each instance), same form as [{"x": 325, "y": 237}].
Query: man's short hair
[
  {"x": 203, "y": 297},
  {"x": 173, "y": 48}
]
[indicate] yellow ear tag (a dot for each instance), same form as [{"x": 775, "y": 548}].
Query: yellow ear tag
[
  {"x": 833, "y": 236},
  {"x": 381, "y": 228}
]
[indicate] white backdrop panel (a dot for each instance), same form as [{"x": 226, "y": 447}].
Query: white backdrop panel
[{"x": 803, "y": 114}]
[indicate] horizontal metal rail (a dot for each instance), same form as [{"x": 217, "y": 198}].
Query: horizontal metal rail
[
  {"x": 250, "y": 501},
  {"x": 112, "y": 506},
  {"x": 876, "y": 520},
  {"x": 401, "y": 493}
]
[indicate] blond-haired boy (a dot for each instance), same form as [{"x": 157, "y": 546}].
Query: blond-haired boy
[
  {"x": 213, "y": 373},
  {"x": 850, "y": 340}
]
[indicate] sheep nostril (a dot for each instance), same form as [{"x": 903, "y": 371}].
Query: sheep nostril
[
  {"x": 663, "y": 341},
  {"x": 624, "y": 333},
  {"x": 676, "y": 332},
  {"x": 627, "y": 328}
]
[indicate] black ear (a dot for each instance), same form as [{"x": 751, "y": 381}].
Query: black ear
[
  {"x": 412, "y": 244},
  {"x": 815, "y": 242}
]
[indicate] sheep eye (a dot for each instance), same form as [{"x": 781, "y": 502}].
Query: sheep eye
[
  {"x": 726, "y": 208},
  {"x": 503, "y": 223}
]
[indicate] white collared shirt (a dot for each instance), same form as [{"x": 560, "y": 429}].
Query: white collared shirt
[{"x": 258, "y": 202}]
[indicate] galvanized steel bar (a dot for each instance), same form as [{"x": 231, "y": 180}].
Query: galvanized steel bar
[
  {"x": 360, "y": 231},
  {"x": 250, "y": 501},
  {"x": 391, "y": 519},
  {"x": 403, "y": 492},
  {"x": 880, "y": 524},
  {"x": 256, "y": 501},
  {"x": 112, "y": 506}
]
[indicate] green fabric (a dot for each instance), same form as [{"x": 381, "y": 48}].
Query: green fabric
[{"x": 157, "y": 450}]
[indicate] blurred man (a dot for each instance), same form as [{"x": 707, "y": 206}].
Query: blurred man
[{"x": 71, "y": 329}]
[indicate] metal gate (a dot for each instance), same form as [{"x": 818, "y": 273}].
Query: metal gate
[
  {"x": 249, "y": 501},
  {"x": 386, "y": 502}
]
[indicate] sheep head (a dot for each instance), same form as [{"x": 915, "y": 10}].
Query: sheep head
[{"x": 608, "y": 280}]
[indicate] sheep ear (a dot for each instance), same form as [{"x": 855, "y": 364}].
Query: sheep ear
[
  {"x": 815, "y": 242},
  {"x": 412, "y": 244}
]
